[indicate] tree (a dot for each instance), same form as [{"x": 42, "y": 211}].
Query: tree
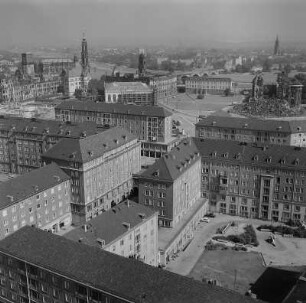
[
  {"x": 287, "y": 68},
  {"x": 267, "y": 65},
  {"x": 78, "y": 93}
]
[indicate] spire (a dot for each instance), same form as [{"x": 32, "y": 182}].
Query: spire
[
  {"x": 84, "y": 57},
  {"x": 141, "y": 63},
  {"x": 276, "y": 47}
]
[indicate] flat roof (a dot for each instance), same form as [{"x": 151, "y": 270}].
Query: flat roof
[
  {"x": 167, "y": 235},
  {"x": 127, "y": 87}
]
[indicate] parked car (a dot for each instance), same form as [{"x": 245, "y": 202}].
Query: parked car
[
  {"x": 210, "y": 215},
  {"x": 205, "y": 219}
]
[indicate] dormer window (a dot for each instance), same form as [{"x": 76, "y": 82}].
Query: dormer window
[
  {"x": 283, "y": 161},
  {"x": 269, "y": 159},
  {"x": 156, "y": 173},
  {"x": 255, "y": 158}
]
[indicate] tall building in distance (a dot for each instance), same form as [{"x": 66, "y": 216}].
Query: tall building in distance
[
  {"x": 276, "y": 47},
  {"x": 141, "y": 63}
]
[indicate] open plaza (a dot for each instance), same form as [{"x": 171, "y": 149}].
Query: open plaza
[{"x": 236, "y": 270}]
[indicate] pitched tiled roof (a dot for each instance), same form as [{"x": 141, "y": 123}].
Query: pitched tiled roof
[
  {"x": 127, "y": 109},
  {"x": 170, "y": 166},
  {"x": 252, "y": 154},
  {"x": 50, "y": 127},
  {"x": 289, "y": 126},
  {"x": 89, "y": 148},
  {"x": 109, "y": 225},
  {"x": 29, "y": 184},
  {"x": 127, "y": 87},
  {"x": 127, "y": 278}
]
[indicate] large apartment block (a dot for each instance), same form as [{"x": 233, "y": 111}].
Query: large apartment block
[
  {"x": 22, "y": 141},
  {"x": 172, "y": 184},
  {"x": 39, "y": 198},
  {"x": 152, "y": 125},
  {"x": 36, "y": 266},
  {"x": 100, "y": 167},
  {"x": 266, "y": 182},
  {"x": 249, "y": 130},
  {"x": 128, "y": 229},
  {"x": 208, "y": 85}
]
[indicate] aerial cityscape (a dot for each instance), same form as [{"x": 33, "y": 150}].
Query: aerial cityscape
[{"x": 152, "y": 151}]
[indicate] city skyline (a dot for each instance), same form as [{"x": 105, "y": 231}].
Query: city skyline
[{"x": 151, "y": 22}]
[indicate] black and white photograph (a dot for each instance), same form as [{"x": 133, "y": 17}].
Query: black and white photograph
[{"x": 152, "y": 151}]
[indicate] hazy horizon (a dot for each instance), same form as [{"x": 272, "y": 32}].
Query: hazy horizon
[{"x": 26, "y": 23}]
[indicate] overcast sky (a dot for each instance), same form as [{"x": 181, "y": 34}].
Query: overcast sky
[{"x": 136, "y": 22}]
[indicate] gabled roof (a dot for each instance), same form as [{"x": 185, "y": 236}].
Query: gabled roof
[
  {"x": 49, "y": 127},
  {"x": 170, "y": 166},
  {"x": 115, "y": 108},
  {"x": 252, "y": 154},
  {"x": 30, "y": 184},
  {"x": 110, "y": 226},
  {"x": 281, "y": 126},
  {"x": 89, "y": 148},
  {"x": 127, "y": 278}
]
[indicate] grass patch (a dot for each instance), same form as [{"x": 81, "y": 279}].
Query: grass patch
[
  {"x": 297, "y": 232},
  {"x": 248, "y": 237}
]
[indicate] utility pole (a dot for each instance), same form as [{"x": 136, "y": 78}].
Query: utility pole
[{"x": 235, "y": 280}]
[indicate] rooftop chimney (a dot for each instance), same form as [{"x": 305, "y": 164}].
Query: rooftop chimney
[
  {"x": 10, "y": 197},
  {"x": 127, "y": 225}
]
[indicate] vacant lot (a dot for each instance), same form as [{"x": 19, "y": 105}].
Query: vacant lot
[{"x": 234, "y": 270}]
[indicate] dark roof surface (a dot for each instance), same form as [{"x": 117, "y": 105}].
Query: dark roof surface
[
  {"x": 288, "y": 126},
  {"x": 129, "y": 278},
  {"x": 30, "y": 184},
  {"x": 251, "y": 154},
  {"x": 50, "y": 127},
  {"x": 275, "y": 284},
  {"x": 89, "y": 148},
  {"x": 109, "y": 225},
  {"x": 127, "y": 109},
  {"x": 170, "y": 166}
]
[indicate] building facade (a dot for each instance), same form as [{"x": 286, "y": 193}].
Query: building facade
[
  {"x": 152, "y": 125},
  {"x": 208, "y": 85},
  {"x": 137, "y": 93},
  {"x": 266, "y": 182},
  {"x": 22, "y": 141},
  {"x": 13, "y": 90},
  {"x": 164, "y": 86},
  {"x": 101, "y": 168},
  {"x": 172, "y": 184},
  {"x": 40, "y": 198},
  {"x": 250, "y": 130},
  {"x": 36, "y": 266},
  {"x": 129, "y": 230}
]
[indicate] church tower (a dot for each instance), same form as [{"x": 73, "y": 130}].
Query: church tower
[
  {"x": 276, "y": 47},
  {"x": 84, "y": 57},
  {"x": 141, "y": 63}
]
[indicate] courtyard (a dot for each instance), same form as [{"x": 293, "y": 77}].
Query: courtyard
[{"x": 236, "y": 269}]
